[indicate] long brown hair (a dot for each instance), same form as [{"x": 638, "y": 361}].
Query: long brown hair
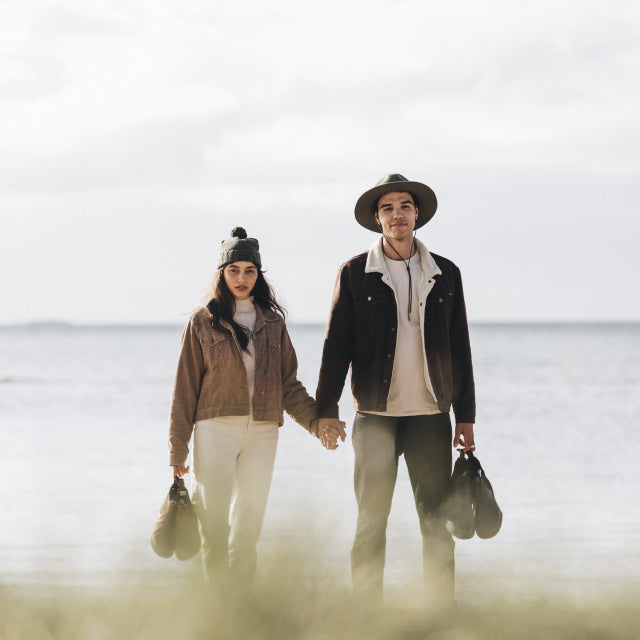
[{"x": 222, "y": 304}]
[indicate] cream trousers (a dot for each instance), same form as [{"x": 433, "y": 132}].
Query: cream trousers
[{"x": 233, "y": 461}]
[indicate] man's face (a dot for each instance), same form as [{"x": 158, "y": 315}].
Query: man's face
[{"x": 397, "y": 214}]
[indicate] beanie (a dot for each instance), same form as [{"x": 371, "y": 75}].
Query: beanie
[{"x": 239, "y": 248}]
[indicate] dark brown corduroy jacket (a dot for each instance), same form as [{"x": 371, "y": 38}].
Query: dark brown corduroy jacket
[
  {"x": 211, "y": 378},
  {"x": 361, "y": 333}
]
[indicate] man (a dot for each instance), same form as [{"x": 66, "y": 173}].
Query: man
[{"x": 398, "y": 320}]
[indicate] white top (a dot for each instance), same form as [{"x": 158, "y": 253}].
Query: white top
[
  {"x": 245, "y": 315},
  {"x": 410, "y": 392}
]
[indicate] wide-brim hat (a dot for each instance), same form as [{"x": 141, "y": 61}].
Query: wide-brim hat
[{"x": 423, "y": 196}]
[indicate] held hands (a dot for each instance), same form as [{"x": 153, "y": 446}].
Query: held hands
[
  {"x": 464, "y": 436},
  {"x": 329, "y": 430}
]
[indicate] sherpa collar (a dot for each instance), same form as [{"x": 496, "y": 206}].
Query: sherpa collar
[{"x": 375, "y": 260}]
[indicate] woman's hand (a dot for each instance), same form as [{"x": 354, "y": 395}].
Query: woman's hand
[
  {"x": 329, "y": 443},
  {"x": 329, "y": 430},
  {"x": 179, "y": 470}
]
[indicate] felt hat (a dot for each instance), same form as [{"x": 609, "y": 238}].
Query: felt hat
[{"x": 423, "y": 196}]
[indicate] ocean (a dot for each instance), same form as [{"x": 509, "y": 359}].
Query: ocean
[{"x": 83, "y": 413}]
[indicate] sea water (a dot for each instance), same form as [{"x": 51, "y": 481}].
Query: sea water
[{"x": 83, "y": 415}]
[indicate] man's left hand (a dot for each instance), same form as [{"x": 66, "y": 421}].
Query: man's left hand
[{"x": 464, "y": 436}]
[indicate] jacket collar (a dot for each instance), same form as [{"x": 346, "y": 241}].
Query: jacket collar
[
  {"x": 263, "y": 316},
  {"x": 376, "y": 264}
]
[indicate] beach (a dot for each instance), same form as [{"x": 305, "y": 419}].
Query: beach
[{"x": 84, "y": 418}]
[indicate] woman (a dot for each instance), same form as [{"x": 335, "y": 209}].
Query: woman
[{"x": 236, "y": 373}]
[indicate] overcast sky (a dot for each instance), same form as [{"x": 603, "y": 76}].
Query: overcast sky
[{"x": 135, "y": 134}]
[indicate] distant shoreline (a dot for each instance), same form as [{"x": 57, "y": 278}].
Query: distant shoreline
[{"x": 61, "y": 325}]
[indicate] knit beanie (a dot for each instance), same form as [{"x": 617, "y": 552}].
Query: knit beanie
[{"x": 239, "y": 248}]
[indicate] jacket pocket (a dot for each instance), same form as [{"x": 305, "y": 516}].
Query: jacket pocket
[
  {"x": 439, "y": 300},
  {"x": 217, "y": 348},
  {"x": 272, "y": 335},
  {"x": 373, "y": 298},
  {"x": 438, "y": 311},
  {"x": 209, "y": 336},
  {"x": 212, "y": 340}
]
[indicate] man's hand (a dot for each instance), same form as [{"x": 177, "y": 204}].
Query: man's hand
[
  {"x": 464, "y": 436},
  {"x": 329, "y": 430}
]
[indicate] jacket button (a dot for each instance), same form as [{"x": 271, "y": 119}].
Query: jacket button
[
  {"x": 440, "y": 300},
  {"x": 393, "y": 329},
  {"x": 386, "y": 381},
  {"x": 388, "y": 355},
  {"x": 369, "y": 298},
  {"x": 262, "y": 393}
]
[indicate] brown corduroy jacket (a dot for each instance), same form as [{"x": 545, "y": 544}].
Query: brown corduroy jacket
[{"x": 211, "y": 378}]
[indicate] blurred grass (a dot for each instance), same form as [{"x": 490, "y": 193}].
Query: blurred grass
[{"x": 294, "y": 599}]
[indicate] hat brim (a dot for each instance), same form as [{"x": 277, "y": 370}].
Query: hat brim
[{"x": 424, "y": 197}]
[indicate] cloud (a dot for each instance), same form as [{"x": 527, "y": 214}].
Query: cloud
[
  {"x": 158, "y": 118},
  {"x": 353, "y": 73}
]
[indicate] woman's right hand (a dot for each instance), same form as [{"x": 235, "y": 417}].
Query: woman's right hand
[{"x": 179, "y": 470}]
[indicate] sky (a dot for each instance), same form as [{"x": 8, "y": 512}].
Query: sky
[{"x": 136, "y": 134}]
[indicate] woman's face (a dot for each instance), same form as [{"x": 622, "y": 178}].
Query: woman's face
[{"x": 240, "y": 278}]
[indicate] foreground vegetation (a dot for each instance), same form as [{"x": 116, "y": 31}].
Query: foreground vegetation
[{"x": 288, "y": 605}]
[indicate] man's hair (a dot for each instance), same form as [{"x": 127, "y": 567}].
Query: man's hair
[{"x": 375, "y": 202}]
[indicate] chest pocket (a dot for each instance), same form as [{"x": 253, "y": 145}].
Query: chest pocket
[
  {"x": 210, "y": 338},
  {"x": 216, "y": 347},
  {"x": 440, "y": 298},
  {"x": 267, "y": 341},
  {"x": 271, "y": 333},
  {"x": 439, "y": 304},
  {"x": 374, "y": 298}
]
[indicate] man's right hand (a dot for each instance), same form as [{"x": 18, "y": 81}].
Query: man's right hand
[{"x": 329, "y": 430}]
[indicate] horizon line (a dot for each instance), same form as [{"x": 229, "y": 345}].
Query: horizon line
[{"x": 65, "y": 324}]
